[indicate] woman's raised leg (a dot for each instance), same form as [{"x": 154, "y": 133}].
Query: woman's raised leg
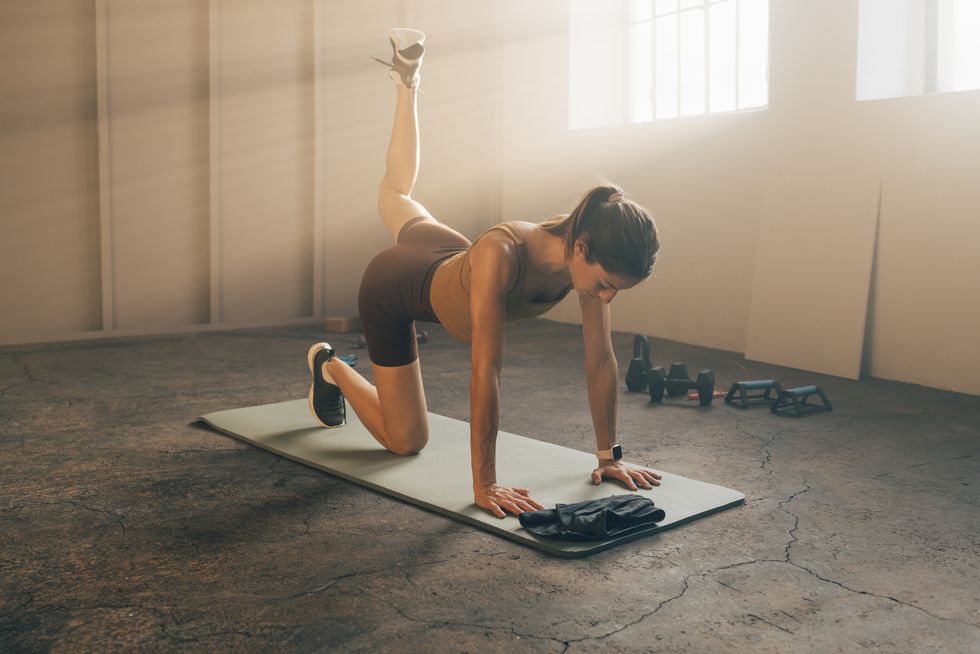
[
  {"x": 395, "y": 204},
  {"x": 393, "y": 410}
]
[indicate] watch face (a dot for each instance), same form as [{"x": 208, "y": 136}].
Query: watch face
[{"x": 617, "y": 452}]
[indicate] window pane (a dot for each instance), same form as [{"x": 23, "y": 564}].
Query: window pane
[
  {"x": 959, "y": 45},
  {"x": 641, "y": 10},
  {"x": 753, "y": 53},
  {"x": 691, "y": 3},
  {"x": 641, "y": 71},
  {"x": 891, "y": 48},
  {"x": 692, "y": 62},
  {"x": 666, "y": 43},
  {"x": 666, "y": 6},
  {"x": 722, "y": 50}
]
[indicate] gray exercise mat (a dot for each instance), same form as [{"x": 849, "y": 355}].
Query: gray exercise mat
[{"x": 439, "y": 477}]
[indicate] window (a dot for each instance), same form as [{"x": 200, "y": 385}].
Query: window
[
  {"x": 911, "y": 47},
  {"x": 656, "y": 59}
]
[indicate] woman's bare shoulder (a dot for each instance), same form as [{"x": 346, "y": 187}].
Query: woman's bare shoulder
[
  {"x": 497, "y": 250},
  {"x": 496, "y": 241}
]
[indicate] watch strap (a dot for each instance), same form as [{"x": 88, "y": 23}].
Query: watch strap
[{"x": 615, "y": 453}]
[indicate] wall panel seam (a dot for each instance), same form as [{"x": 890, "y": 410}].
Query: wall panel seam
[
  {"x": 214, "y": 163},
  {"x": 105, "y": 166},
  {"x": 318, "y": 156}
]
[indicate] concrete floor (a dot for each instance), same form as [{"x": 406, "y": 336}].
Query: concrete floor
[{"x": 126, "y": 526}]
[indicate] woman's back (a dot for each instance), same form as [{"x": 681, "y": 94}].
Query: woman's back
[{"x": 450, "y": 290}]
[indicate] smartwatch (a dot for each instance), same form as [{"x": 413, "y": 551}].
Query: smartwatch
[{"x": 615, "y": 453}]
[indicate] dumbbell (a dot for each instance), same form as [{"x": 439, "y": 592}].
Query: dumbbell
[
  {"x": 636, "y": 374},
  {"x": 677, "y": 382},
  {"x": 677, "y": 374}
]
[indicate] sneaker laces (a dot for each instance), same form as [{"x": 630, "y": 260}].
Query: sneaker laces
[{"x": 391, "y": 67}]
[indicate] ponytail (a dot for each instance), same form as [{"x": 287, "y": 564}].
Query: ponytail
[{"x": 618, "y": 233}]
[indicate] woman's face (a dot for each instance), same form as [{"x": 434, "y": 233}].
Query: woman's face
[{"x": 592, "y": 279}]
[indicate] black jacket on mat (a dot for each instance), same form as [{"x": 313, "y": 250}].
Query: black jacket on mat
[{"x": 609, "y": 517}]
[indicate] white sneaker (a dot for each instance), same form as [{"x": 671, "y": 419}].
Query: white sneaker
[{"x": 407, "y": 51}]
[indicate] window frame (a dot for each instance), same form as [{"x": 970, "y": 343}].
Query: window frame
[{"x": 703, "y": 6}]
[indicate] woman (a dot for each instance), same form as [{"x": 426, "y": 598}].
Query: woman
[{"x": 513, "y": 270}]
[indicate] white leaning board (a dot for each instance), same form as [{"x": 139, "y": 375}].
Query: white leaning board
[{"x": 813, "y": 273}]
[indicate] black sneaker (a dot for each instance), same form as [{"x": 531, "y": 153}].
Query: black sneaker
[{"x": 326, "y": 401}]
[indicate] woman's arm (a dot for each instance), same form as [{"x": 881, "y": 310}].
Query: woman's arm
[
  {"x": 602, "y": 373},
  {"x": 493, "y": 262},
  {"x": 601, "y": 369}
]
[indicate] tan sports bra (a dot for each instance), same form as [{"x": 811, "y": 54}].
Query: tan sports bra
[{"x": 450, "y": 291}]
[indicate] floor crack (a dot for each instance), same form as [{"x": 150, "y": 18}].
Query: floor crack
[
  {"x": 360, "y": 573},
  {"x": 96, "y": 509},
  {"x": 642, "y": 617},
  {"x": 27, "y": 373},
  {"x": 796, "y": 518},
  {"x": 789, "y": 560},
  {"x": 767, "y": 455},
  {"x": 888, "y": 597}
]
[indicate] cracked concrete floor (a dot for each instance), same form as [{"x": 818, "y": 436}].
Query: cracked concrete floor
[{"x": 125, "y": 526}]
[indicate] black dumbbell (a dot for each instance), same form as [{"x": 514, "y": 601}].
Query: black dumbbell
[
  {"x": 659, "y": 382},
  {"x": 705, "y": 386},
  {"x": 636, "y": 374},
  {"x": 656, "y": 381},
  {"x": 677, "y": 373}
]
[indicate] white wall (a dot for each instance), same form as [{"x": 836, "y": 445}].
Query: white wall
[
  {"x": 156, "y": 167},
  {"x": 157, "y": 110},
  {"x": 174, "y": 164},
  {"x": 705, "y": 178},
  {"x": 204, "y": 213},
  {"x": 49, "y": 220},
  {"x": 265, "y": 127},
  {"x": 701, "y": 177},
  {"x": 495, "y": 146}
]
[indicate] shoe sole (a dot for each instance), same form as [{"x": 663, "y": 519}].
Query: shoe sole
[{"x": 310, "y": 355}]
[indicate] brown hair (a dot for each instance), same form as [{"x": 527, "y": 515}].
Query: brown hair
[{"x": 620, "y": 234}]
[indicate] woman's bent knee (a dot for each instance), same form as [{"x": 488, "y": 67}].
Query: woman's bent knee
[
  {"x": 406, "y": 422},
  {"x": 409, "y": 446},
  {"x": 408, "y": 450},
  {"x": 410, "y": 440}
]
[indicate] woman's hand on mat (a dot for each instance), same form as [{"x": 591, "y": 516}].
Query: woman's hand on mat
[
  {"x": 497, "y": 499},
  {"x": 628, "y": 474}
]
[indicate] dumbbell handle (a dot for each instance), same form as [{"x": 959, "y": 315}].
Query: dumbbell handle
[
  {"x": 757, "y": 384},
  {"x": 801, "y": 390}
]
